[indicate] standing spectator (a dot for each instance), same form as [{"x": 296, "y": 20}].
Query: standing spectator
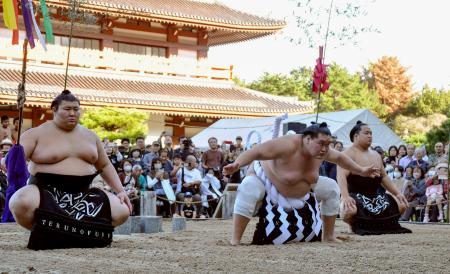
[
  {"x": 408, "y": 174},
  {"x": 237, "y": 148},
  {"x": 113, "y": 155},
  {"x": 418, "y": 161},
  {"x": 212, "y": 158},
  {"x": 5, "y": 130},
  {"x": 168, "y": 146},
  {"x": 15, "y": 130},
  {"x": 401, "y": 153},
  {"x": 126, "y": 147},
  {"x": 148, "y": 158},
  {"x": 234, "y": 178},
  {"x": 414, "y": 193},
  {"x": 339, "y": 146},
  {"x": 404, "y": 162},
  {"x": 189, "y": 180},
  {"x": 5, "y": 146},
  {"x": 140, "y": 144},
  {"x": 177, "y": 164},
  {"x": 439, "y": 154}
]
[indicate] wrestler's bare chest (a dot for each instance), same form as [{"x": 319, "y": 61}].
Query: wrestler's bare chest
[
  {"x": 56, "y": 146},
  {"x": 293, "y": 178}
]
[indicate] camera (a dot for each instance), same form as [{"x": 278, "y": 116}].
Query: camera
[{"x": 187, "y": 143}]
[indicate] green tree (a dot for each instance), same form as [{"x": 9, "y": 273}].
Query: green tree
[
  {"x": 438, "y": 134},
  {"x": 115, "y": 123},
  {"x": 347, "y": 91},
  {"x": 297, "y": 83},
  {"x": 430, "y": 101}
]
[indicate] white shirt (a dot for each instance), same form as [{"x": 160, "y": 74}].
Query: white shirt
[{"x": 189, "y": 177}]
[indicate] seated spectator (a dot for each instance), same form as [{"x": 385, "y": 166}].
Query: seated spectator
[
  {"x": 435, "y": 195},
  {"x": 408, "y": 174},
  {"x": 418, "y": 161},
  {"x": 389, "y": 167},
  {"x": 130, "y": 184},
  {"x": 392, "y": 155},
  {"x": 189, "y": 180},
  {"x": 166, "y": 164},
  {"x": 177, "y": 164},
  {"x": 5, "y": 146},
  {"x": 414, "y": 193},
  {"x": 135, "y": 157},
  {"x": 141, "y": 182},
  {"x": 399, "y": 181},
  {"x": 188, "y": 209},
  {"x": 339, "y": 146},
  {"x": 210, "y": 190},
  {"x": 155, "y": 180}
]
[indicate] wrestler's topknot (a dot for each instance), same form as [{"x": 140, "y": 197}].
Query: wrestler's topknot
[
  {"x": 65, "y": 95},
  {"x": 356, "y": 129},
  {"x": 315, "y": 128}
]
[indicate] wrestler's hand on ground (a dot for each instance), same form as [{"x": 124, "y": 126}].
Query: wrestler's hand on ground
[
  {"x": 402, "y": 199},
  {"x": 349, "y": 203},
  {"x": 371, "y": 171},
  {"x": 230, "y": 169},
  {"x": 123, "y": 197}
]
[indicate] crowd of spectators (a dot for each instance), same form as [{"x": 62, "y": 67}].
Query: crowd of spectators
[{"x": 195, "y": 175}]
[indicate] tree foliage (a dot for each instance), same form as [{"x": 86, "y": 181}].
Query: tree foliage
[
  {"x": 439, "y": 133},
  {"x": 408, "y": 126},
  {"x": 347, "y": 91},
  {"x": 115, "y": 123},
  {"x": 430, "y": 101},
  {"x": 391, "y": 83}
]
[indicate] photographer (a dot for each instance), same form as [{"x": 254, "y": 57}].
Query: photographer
[
  {"x": 189, "y": 180},
  {"x": 186, "y": 148}
]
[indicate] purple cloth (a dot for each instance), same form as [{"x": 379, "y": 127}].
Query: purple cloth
[
  {"x": 17, "y": 177},
  {"x": 26, "y": 14}
]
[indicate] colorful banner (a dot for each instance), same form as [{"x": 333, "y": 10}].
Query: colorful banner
[
  {"x": 15, "y": 37},
  {"x": 47, "y": 23},
  {"x": 28, "y": 22},
  {"x": 36, "y": 27},
  {"x": 8, "y": 14}
]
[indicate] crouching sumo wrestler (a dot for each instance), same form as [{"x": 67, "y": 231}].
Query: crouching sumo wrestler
[
  {"x": 285, "y": 177},
  {"x": 58, "y": 205}
]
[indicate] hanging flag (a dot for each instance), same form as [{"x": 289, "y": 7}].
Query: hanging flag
[
  {"x": 28, "y": 22},
  {"x": 15, "y": 37},
  {"x": 47, "y": 23},
  {"x": 8, "y": 14},
  {"x": 36, "y": 27},
  {"x": 320, "y": 83}
]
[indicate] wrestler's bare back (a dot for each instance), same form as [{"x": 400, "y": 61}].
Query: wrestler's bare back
[
  {"x": 53, "y": 150},
  {"x": 294, "y": 174}
]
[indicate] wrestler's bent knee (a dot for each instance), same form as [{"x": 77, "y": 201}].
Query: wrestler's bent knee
[
  {"x": 25, "y": 200},
  {"x": 119, "y": 211},
  {"x": 328, "y": 192},
  {"x": 250, "y": 191}
]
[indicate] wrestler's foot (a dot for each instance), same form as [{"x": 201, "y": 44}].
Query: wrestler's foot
[
  {"x": 331, "y": 239},
  {"x": 235, "y": 242}
]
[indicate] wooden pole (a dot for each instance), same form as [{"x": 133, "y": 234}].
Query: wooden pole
[{"x": 21, "y": 91}]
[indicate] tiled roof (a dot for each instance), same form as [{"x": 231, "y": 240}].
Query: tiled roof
[
  {"x": 194, "y": 97},
  {"x": 211, "y": 15}
]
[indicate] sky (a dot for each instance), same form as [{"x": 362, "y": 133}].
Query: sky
[{"x": 416, "y": 31}]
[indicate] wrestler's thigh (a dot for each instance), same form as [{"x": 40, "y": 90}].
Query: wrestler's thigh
[
  {"x": 401, "y": 206},
  {"x": 25, "y": 199},
  {"x": 119, "y": 211}
]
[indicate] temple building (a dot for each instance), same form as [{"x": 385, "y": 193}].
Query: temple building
[{"x": 149, "y": 55}]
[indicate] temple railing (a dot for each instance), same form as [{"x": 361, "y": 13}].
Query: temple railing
[{"x": 109, "y": 60}]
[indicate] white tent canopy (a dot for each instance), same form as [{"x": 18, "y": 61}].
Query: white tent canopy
[{"x": 340, "y": 124}]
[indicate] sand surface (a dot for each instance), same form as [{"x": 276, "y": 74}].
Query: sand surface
[{"x": 204, "y": 248}]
